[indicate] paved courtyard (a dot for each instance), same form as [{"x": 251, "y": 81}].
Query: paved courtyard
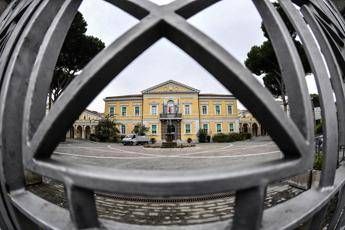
[
  {"x": 206, "y": 155},
  {"x": 181, "y": 211}
]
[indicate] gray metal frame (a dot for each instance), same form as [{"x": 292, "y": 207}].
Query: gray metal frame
[{"x": 31, "y": 35}]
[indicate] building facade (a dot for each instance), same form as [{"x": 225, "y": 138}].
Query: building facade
[
  {"x": 248, "y": 124},
  {"x": 85, "y": 125},
  {"x": 174, "y": 110}
]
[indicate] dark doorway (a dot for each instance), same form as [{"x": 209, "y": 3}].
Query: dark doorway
[
  {"x": 245, "y": 128},
  {"x": 255, "y": 130},
  {"x": 87, "y": 132}
]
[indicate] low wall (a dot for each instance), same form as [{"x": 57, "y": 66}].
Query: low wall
[{"x": 306, "y": 180}]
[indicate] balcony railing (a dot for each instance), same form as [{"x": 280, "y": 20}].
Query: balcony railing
[{"x": 170, "y": 116}]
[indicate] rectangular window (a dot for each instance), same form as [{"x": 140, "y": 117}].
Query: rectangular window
[
  {"x": 124, "y": 111},
  {"x": 187, "y": 128},
  {"x": 154, "y": 129},
  {"x": 111, "y": 110},
  {"x": 137, "y": 111},
  {"x": 231, "y": 127},
  {"x": 204, "y": 109},
  {"x": 229, "y": 109},
  {"x": 123, "y": 129},
  {"x": 205, "y": 127},
  {"x": 219, "y": 128},
  {"x": 187, "y": 109},
  {"x": 154, "y": 109},
  {"x": 217, "y": 108}
]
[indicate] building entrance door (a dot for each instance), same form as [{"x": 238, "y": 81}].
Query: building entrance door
[{"x": 171, "y": 130}]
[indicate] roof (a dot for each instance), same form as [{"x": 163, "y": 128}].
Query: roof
[
  {"x": 149, "y": 90},
  {"x": 94, "y": 112},
  {"x": 216, "y": 95},
  {"x": 123, "y": 97}
]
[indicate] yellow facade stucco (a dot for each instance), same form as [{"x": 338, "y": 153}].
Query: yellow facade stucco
[{"x": 172, "y": 104}]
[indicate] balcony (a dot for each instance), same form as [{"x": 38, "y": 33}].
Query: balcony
[{"x": 170, "y": 116}]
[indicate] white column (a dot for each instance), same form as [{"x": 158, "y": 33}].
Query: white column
[
  {"x": 237, "y": 126},
  {"x": 83, "y": 133}
]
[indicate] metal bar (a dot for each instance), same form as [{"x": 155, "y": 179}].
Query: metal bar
[
  {"x": 293, "y": 136},
  {"x": 164, "y": 183},
  {"x": 136, "y": 8},
  {"x": 32, "y": 206},
  {"x": 188, "y": 8},
  {"x": 318, "y": 219},
  {"x": 43, "y": 70},
  {"x": 17, "y": 71},
  {"x": 82, "y": 206},
  {"x": 292, "y": 213},
  {"x": 291, "y": 68},
  {"x": 6, "y": 209},
  {"x": 328, "y": 109},
  {"x": 19, "y": 64},
  {"x": 238, "y": 80},
  {"x": 94, "y": 77},
  {"x": 249, "y": 208},
  {"x": 333, "y": 67},
  {"x": 339, "y": 211}
]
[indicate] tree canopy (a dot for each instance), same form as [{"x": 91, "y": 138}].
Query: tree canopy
[
  {"x": 140, "y": 129},
  {"x": 106, "y": 131},
  {"x": 78, "y": 49},
  {"x": 315, "y": 100},
  {"x": 262, "y": 61}
]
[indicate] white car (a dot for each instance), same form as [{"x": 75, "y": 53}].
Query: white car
[{"x": 133, "y": 139}]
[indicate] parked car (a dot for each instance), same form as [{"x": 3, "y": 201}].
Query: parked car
[{"x": 133, "y": 139}]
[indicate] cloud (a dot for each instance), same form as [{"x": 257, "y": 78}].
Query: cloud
[{"x": 235, "y": 25}]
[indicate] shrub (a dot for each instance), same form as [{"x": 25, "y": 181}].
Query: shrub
[
  {"x": 246, "y": 136},
  {"x": 220, "y": 138},
  {"x": 93, "y": 137},
  {"x": 231, "y": 137},
  {"x": 106, "y": 131},
  {"x": 153, "y": 140},
  {"x": 235, "y": 137},
  {"x": 202, "y": 136},
  {"x": 318, "y": 128},
  {"x": 189, "y": 140},
  {"x": 318, "y": 161},
  {"x": 121, "y": 137}
]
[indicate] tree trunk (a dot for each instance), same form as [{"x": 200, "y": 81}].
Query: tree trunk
[
  {"x": 285, "y": 104},
  {"x": 49, "y": 100}
]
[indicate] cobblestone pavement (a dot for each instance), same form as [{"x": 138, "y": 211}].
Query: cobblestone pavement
[{"x": 156, "y": 212}]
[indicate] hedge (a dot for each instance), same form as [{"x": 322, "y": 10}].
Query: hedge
[{"x": 231, "y": 137}]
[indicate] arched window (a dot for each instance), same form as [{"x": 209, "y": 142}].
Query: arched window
[{"x": 170, "y": 106}]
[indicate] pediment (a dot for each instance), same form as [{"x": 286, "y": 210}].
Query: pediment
[{"x": 170, "y": 87}]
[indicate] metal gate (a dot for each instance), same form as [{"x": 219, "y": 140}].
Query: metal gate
[{"x": 31, "y": 35}]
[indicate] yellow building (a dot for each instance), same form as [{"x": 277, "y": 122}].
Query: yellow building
[
  {"x": 176, "y": 109},
  {"x": 248, "y": 124},
  {"x": 85, "y": 125}
]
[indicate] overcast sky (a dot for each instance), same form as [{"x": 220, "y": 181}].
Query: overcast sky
[{"x": 233, "y": 24}]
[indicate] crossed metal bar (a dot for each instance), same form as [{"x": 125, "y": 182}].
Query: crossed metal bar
[{"x": 35, "y": 31}]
